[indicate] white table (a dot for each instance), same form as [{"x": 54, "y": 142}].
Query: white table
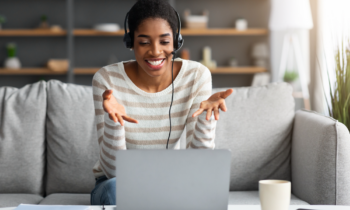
[{"x": 241, "y": 207}]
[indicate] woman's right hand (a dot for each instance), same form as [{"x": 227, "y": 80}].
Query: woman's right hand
[{"x": 115, "y": 110}]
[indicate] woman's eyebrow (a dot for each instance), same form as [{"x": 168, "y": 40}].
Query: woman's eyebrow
[{"x": 143, "y": 35}]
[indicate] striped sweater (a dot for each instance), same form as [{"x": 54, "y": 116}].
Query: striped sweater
[{"x": 192, "y": 85}]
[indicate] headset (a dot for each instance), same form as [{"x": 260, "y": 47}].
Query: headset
[{"x": 178, "y": 42}]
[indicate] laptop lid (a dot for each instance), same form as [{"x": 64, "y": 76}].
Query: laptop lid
[{"x": 173, "y": 179}]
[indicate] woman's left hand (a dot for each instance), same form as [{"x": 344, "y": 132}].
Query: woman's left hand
[{"x": 216, "y": 101}]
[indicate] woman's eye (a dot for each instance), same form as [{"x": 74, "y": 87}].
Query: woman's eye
[
  {"x": 165, "y": 42},
  {"x": 143, "y": 43}
]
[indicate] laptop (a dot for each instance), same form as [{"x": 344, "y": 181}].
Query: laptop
[{"x": 173, "y": 179}]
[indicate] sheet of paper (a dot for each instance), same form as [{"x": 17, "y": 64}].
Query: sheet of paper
[{"x": 51, "y": 207}]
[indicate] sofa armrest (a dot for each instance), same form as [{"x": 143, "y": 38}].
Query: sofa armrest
[{"x": 320, "y": 159}]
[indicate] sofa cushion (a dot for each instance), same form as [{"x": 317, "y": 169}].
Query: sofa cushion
[
  {"x": 257, "y": 129},
  {"x": 10, "y": 200},
  {"x": 252, "y": 198},
  {"x": 22, "y": 135},
  {"x": 72, "y": 147},
  {"x": 66, "y": 199}
]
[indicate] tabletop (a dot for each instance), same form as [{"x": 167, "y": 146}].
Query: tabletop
[{"x": 241, "y": 207}]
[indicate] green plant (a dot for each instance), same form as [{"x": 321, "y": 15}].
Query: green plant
[
  {"x": 2, "y": 19},
  {"x": 339, "y": 108},
  {"x": 43, "y": 18},
  {"x": 290, "y": 76},
  {"x": 11, "y": 50}
]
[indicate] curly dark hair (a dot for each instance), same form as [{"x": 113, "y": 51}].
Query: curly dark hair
[{"x": 144, "y": 9}]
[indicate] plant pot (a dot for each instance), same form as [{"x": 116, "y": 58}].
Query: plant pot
[{"x": 12, "y": 63}]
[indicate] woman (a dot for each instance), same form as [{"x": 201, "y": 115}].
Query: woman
[{"x": 140, "y": 91}]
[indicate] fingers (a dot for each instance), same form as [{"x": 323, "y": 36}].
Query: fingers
[
  {"x": 209, "y": 113},
  {"x": 112, "y": 117},
  {"x": 216, "y": 113},
  {"x": 226, "y": 93},
  {"x": 198, "y": 112},
  {"x": 129, "y": 119},
  {"x": 121, "y": 121},
  {"x": 107, "y": 94},
  {"x": 222, "y": 106}
]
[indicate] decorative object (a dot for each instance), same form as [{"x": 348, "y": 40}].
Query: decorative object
[
  {"x": 290, "y": 77},
  {"x": 58, "y": 65},
  {"x": 339, "y": 106},
  {"x": 211, "y": 64},
  {"x": 44, "y": 24},
  {"x": 2, "y": 20},
  {"x": 195, "y": 21},
  {"x": 12, "y": 62},
  {"x": 241, "y": 24},
  {"x": 107, "y": 27},
  {"x": 185, "y": 54},
  {"x": 260, "y": 53},
  {"x": 56, "y": 28},
  {"x": 233, "y": 62},
  {"x": 283, "y": 18}
]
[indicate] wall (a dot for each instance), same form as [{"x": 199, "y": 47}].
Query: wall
[{"x": 95, "y": 51}]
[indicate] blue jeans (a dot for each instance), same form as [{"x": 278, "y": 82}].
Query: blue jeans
[{"x": 104, "y": 192}]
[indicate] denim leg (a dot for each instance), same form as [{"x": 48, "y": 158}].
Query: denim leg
[{"x": 104, "y": 192}]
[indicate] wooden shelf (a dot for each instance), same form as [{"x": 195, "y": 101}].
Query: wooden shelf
[
  {"x": 91, "y": 32},
  {"x": 31, "y": 32},
  {"x": 223, "y": 32},
  {"x": 184, "y": 32},
  {"x": 29, "y": 71}
]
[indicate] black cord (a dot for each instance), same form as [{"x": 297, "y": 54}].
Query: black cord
[{"x": 172, "y": 97}]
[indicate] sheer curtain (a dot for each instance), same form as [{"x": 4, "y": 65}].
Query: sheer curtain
[{"x": 333, "y": 31}]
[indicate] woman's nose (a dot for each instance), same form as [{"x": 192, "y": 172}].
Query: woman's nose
[{"x": 156, "y": 49}]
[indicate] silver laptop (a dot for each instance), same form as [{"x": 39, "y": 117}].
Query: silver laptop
[{"x": 173, "y": 179}]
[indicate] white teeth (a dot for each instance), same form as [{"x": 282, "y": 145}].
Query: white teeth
[{"x": 155, "y": 63}]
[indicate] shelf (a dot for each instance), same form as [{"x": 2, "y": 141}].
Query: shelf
[
  {"x": 91, "y": 32},
  {"x": 238, "y": 70},
  {"x": 89, "y": 71},
  {"x": 184, "y": 32},
  {"x": 29, "y": 71},
  {"x": 31, "y": 32},
  {"x": 223, "y": 32}
]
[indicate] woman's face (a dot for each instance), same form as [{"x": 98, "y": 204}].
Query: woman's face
[{"x": 153, "y": 44}]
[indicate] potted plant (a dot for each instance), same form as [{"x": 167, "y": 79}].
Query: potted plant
[
  {"x": 12, "y": 62},
  {"x": 2, "y": 20},
  {"x": 339, "y": 106},
  {"x": 290, "y": 77}
]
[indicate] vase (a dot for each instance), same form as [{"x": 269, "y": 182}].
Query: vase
[{"x": 12, "y": 63}]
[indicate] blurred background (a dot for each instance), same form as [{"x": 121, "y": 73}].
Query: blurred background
[{"x": 243, "y": 42}]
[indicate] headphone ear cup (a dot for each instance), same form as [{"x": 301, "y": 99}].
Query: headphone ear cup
[
  {"x": 127, "y": 40},
  {"x": 180, "y": 42}
]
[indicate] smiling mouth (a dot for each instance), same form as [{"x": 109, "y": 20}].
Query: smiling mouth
[{"x": 155, "y": 65}]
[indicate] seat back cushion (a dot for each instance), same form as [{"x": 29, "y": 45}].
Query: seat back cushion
[
  {"x": 257, "y": 128},
  {"x": 22, "y": 138},
  {"x": 72, "y": 148}
]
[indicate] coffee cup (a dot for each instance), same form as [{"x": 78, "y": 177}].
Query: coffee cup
[{"x": 274, "y": 194}]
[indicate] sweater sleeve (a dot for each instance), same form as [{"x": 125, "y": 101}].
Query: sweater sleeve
[
  {"x": 200, "y": 133},
  {"x": 111, "y": 135}
]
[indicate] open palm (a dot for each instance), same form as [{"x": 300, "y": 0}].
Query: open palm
[{"x": 115, "y": 110}]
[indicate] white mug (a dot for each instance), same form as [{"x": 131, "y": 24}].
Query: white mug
[{"x": 274, "y": 194}]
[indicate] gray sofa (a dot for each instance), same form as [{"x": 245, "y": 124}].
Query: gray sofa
[{"x": 48, "y": 145}]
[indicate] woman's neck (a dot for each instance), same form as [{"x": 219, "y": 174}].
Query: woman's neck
[{"x": 147, "y": 83}]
